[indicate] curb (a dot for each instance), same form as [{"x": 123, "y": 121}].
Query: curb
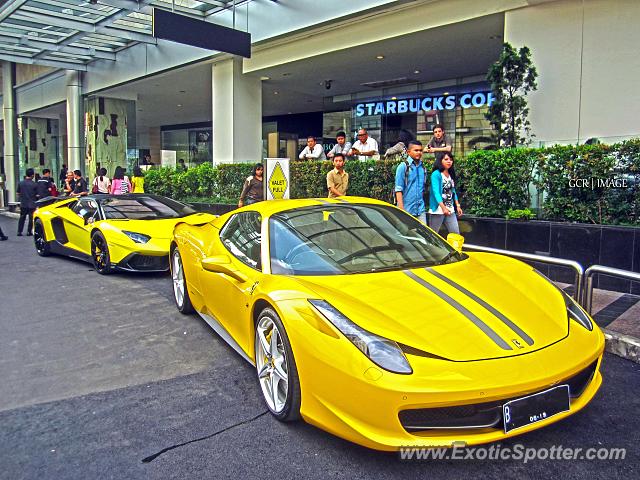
[
  {"x": 10, "y": 214},
  {"x": 624, "y": 346}
]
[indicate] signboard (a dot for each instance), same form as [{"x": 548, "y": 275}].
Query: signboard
[
  {"x": 200, "y": 33},
  {"x": 425, "y": 104},
  {"x": 277, "y": 176},
  {"x": 168, "y": 158}
]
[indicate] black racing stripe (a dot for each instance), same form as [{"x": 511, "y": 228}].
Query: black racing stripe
[
  {"x": 477, "y": 299},
  {"x": 474, "y": 319}
]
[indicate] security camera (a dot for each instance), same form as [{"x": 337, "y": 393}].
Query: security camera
[{"x": 327, "y": 84}]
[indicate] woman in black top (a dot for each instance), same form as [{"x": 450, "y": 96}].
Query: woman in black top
[{"x": 252, "y": 191}]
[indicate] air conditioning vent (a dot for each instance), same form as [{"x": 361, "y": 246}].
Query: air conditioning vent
[{"x": 390, "y": 83}]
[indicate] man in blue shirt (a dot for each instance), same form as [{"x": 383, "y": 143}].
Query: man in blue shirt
[{"x": 410, "y": 186}]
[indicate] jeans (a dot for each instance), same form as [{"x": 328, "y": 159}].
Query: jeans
[
  {"x": 24, "y": 212},
  {"x": 450, "y": 221}
]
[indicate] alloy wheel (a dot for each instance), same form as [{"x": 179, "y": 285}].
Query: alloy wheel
[{"x": 271, "y": 363}]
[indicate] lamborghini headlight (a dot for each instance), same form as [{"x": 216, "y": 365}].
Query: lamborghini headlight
[
  {"x": 137, "y": 237},
  {"x": 383, "y": 352}
]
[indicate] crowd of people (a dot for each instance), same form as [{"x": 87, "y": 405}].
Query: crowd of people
[
  {"x": 413, "y": 179},
  {"x": 36, "y": 186}
]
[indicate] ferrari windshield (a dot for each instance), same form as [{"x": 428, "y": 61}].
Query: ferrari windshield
[
  {"x": 143, "y": 207},
  {"x": 337, "y": 239}
]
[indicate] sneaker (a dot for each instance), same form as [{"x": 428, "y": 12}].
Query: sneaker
[
  {"x": 3, "y": 238},
  {"x": 29, "y": 234},
  {"x": 19, "y": 234}
]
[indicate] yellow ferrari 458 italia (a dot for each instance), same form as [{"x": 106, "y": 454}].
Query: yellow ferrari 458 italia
[
  {"x": 114, "y": 232},
  {"x": 367, "y": 324}
]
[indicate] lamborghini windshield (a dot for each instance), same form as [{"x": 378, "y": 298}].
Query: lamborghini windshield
[
  {"x": 337, "y": 239},
  {"x": 143, "y": 207}
]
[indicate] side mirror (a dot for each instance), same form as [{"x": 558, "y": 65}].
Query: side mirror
[
  {"x": 89, "y": 220},
  {"x": 456, "y": 241},
  {"x": 222, "y": 264}
]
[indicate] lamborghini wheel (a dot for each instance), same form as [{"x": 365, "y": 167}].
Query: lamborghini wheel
[
  {"x": 180, "y": 292},
  {"x": 100, "y": 254},
  {"x": 39, "y": 238},
  {"x": 277, "y": 373}
]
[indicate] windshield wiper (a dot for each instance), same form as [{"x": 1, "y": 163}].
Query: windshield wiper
[{"x": 444, "y": 259}]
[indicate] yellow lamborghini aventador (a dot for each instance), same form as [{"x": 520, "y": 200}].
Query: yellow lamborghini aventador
[
  {"x": 123, "y": 232},
  {"x": 367, "y": 324}
]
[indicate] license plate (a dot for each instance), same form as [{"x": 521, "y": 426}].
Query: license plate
[{"x": 535, "y": 408}]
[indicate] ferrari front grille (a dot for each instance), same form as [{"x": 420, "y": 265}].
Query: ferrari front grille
[{"x": 480, "y": 415}]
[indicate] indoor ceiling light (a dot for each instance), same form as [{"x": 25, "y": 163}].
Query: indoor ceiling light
[
  {"x": 265, "y": 78},
  {"x": 379, "y": 57},
  {"x": 276, "y": 92},
  {"x": 179, "y": 104},
  {"x": 394, "y": 98},
  {"x": 416, "y": 71},
  {"x": 446, "y": 93}
]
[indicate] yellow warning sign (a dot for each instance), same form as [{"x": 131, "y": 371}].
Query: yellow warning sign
[{"x": 277, "y": 182}]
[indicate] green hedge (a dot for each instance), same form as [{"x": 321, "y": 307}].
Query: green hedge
[
  {"x": 223, "y": 183},
  {"x": 490, "y": 182}
]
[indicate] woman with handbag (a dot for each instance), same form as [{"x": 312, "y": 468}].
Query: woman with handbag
[
  {"x": 120, "y": 185},
  {"x": 102, "y": 183}
]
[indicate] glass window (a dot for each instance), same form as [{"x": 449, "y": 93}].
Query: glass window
[
  {"x": 144, "y": 207},
  {"x": 241, "y": 235},
  {"x": 341, "y": 239},
  {"x": 85, "y": 208}
]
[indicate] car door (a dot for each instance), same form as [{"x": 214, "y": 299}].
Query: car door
[
  {"x": 77, "y": 224},
  {"x": 226, "y": 297}
]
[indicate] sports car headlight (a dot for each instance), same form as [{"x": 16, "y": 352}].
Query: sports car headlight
[
  {"x": 383, "y": 352},
  {"x": 137, "y": 237},
  {"x": 576, "y": 313}
]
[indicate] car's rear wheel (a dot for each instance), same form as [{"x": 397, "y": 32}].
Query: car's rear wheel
[
  {"x": 276, "y": 367},
  {"x": 39, "y": 238},
  {"x": 100, "y": 254},
  {"x": 180, "y": 292}
]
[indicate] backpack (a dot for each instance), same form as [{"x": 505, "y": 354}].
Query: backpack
[{"x": 124, "y": 186}]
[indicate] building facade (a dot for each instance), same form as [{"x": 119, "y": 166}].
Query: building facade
[{"x": 87, "y": 84}]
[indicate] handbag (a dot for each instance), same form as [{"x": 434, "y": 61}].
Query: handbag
[{"x": 94, "y": 189}]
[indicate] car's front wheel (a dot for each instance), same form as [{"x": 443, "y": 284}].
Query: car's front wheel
[
  {"x": 180, "y": 292},
  {"x": 39, "y": 238},
  {"x": 276, "y": 367},
  {"x": 100, "y": 254}
]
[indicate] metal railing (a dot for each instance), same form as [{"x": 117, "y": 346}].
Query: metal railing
[
  {"x": 587, "y": 294},
  {"x": 579, "y": 271}
]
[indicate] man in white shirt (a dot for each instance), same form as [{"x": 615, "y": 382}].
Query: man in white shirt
[
  {"x": 313, "y": 151},
  {"x": 365, "y": 147},
  {"x": 341, "y": 146}
]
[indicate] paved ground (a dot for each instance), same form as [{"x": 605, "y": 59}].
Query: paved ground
[{"x": 100, "y": 374}]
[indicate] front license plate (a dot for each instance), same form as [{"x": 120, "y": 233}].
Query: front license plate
[{"x": 535, "y": 408}]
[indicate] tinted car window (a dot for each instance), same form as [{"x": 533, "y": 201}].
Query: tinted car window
[
  {"x": 85, "y": 208},
  {"x": 241, "y": 235},
  {"x": 335, "y": 239},
  {"x": 144, "y": 207}
]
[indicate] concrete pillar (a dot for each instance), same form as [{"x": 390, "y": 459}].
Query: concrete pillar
[
  {"x": 237, "y": 113},
  {"x": 10, "y": 130},
  {"x": 75, "y": 109}
]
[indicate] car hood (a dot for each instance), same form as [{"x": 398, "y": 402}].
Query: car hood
[{"x": 487, "y": 306}]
